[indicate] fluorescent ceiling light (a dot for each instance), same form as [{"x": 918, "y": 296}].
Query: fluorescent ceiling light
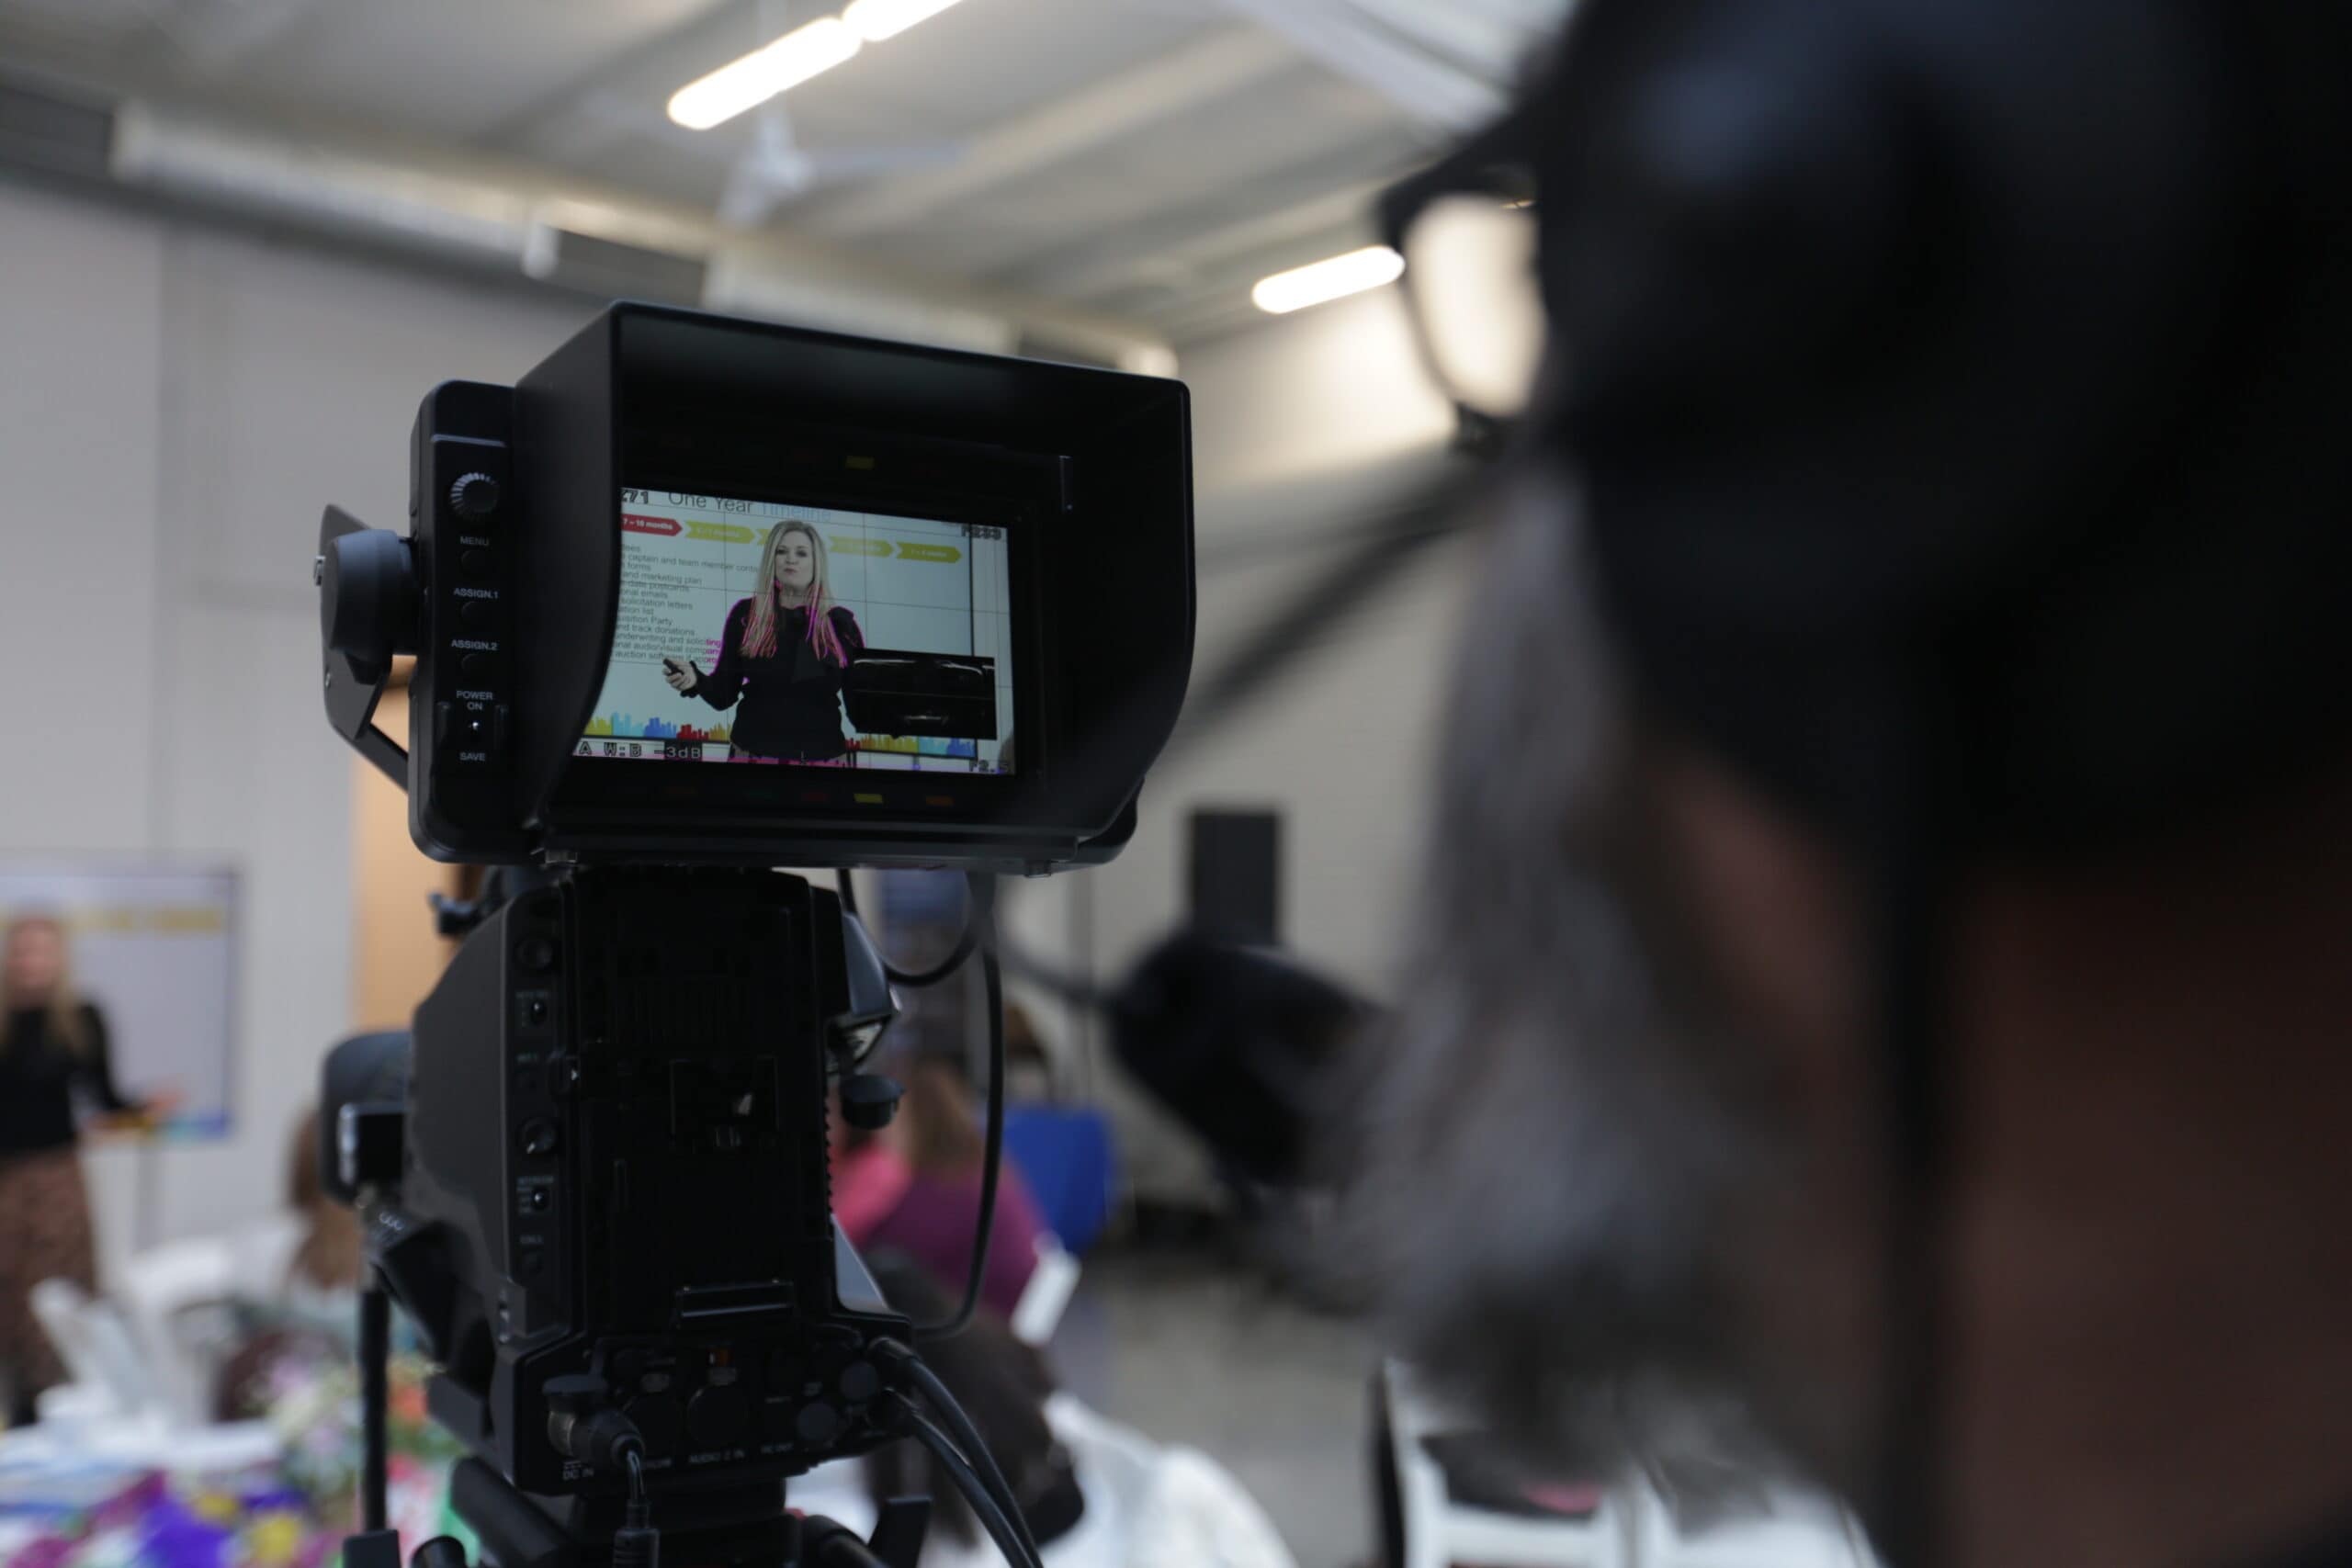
[
  {"x": 760, "y": 76},
  {"x": 1328, "y": 280},
  {"x": 874, "y": 20}
]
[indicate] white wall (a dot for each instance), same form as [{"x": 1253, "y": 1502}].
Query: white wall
[{"x": 179, "y": 404}]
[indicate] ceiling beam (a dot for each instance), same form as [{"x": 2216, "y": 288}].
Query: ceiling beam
[
  {"x": 219, "y": 37},
  {"x": 1337, "y": 35},
  {"x": 1198, "y": 73},
  {"x": 484, "y": 210},
  {"x": 1491, "y": 43}
]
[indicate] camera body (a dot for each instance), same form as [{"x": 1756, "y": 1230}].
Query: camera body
[
  {"x": 615, "y": 1163},
  {"x": 937, "y": 607}
]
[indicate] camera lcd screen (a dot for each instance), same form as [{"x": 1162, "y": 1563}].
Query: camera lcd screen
[{"x": 763, "y": 632}]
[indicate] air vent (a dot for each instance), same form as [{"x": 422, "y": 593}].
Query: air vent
[
  {"x": 59, "y": 134},
  {"x": 610, "y": 269}
]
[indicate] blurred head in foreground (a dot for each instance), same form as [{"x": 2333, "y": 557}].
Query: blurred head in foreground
[{"x": 1881, "y": 987}]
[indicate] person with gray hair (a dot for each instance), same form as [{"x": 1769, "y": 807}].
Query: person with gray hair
[{"x": 1881, "y": 988}]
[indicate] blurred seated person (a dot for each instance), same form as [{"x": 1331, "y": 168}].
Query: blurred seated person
[
  {"x": 1095, "y": 1493},
  {"x": 322, "y": 1277},
  {"x": 304, "y": 1322},
  {"x": 1028, "y": 1070},
  {"x": 914, "y": 1186}
]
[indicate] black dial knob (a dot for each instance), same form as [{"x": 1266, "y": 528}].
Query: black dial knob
[
  {"x": 474, "y": 496},
  {"x": 818, "y": 1424},
  {"x": 718, "y": 1416},
  {"x": 539, "y": 1136},
  {"x": 859, "y": 1381}
]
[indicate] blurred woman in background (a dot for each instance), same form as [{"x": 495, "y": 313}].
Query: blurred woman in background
[{"x": 52, "y": 1046}]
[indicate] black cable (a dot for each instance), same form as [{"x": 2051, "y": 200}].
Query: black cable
[
  {"x": 374, "y": 1400},
  {"x": 978, "y": 924},
  {"x": 967, "y": 1481},
  {"x": 992, "y": 977},
  {"x": 960, "y": 1427},
  {"x": 636, "y": 1544}
]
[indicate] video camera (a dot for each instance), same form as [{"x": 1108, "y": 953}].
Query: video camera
[{"x": 694, "y": 599}]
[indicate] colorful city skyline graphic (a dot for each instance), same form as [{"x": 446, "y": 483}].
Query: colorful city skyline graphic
[{"x": 628, "y": 727}]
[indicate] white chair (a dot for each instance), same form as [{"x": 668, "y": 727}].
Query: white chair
[
  {"x": 1440, "y": 1533},
  {"x": 1047, "y": 1295},
  {"x": 101, "y": 1359},
  {"x": 156, "y": 1288},
  {"x": 1793, "y": 1528}
]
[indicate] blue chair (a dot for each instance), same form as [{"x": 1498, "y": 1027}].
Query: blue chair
[{"x": 1069, "y": 1162}]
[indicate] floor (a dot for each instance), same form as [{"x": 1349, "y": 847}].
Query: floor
[{"x": 1191, "y": 1351}]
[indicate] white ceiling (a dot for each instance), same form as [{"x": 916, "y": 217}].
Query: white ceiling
[{"x": 1144, "y": 158}]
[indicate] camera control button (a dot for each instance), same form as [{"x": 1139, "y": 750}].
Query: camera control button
[
  {"x": 539, "y": 1136},
  {"x": 859, "y": 1381},
  {"x": 478, "y": 613},
  {"x": 818, "y": 1424},
  {"x": 474, "y": 496}
]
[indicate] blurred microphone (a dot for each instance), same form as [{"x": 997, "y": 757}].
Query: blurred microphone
[{"x": 1238, "y": 1042}]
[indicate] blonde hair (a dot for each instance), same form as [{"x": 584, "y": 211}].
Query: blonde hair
[
  {"x": 63, "y": 1003},
  {"x": 759, "y": 629}
]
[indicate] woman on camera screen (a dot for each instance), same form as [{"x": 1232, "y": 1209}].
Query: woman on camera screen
[{"x": 782, "y": 656}]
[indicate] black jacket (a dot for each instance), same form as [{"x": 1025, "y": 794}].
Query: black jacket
[
  {"x": 39, "y": 1075},
  {"x": 791, "y": 699}
]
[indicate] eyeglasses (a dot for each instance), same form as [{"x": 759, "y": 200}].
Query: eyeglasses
[{"x": 1465, "y": 227}]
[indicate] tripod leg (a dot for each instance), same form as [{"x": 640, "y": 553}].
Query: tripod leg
[
  {"x": 441, "y": 1551},
  {"x": 372, "y": 1548},
  {"x": 897, "y": 1543},
  {"x": 898, "y": 1534},
  {"x": 375, "y": 1354}
]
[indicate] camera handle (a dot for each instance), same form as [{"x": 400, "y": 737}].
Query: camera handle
[{"x": 368, "y": 611}]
